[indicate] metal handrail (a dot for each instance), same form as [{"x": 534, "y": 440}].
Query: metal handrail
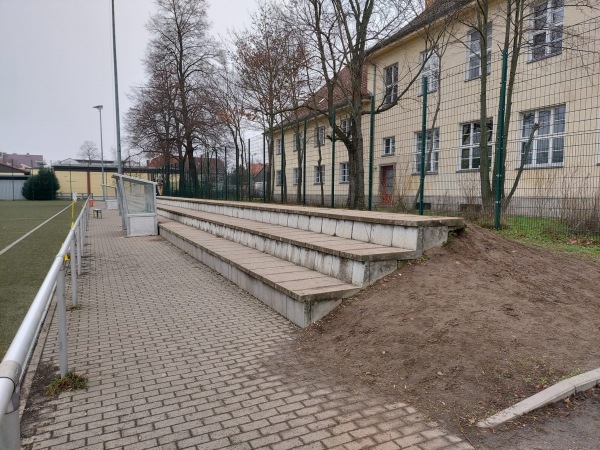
[{"x": 18, "y": 354}]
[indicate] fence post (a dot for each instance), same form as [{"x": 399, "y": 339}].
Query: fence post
[
  {"x": 304, "y": 166},
  {"x": 264, "y": 167},
  {"x": 283, "y": 180},
  {"x": 423, "y": 145},
  {"x": 500, "y": 143},
  {"x": 10, "y": 427},
  {"x": 226, "y": 177},
  {"x": 333, "y": 160},
  {"x": 249, "y": 167},
  {"x": 73, "y": 274},
  {"x": 371, "y": 146},
  {"x": 62, "y": 322}
]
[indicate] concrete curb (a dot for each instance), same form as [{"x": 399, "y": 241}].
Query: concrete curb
[{"x": 559, "y": 391}]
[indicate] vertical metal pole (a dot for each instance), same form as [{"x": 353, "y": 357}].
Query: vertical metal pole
[
  {"x": 282, "y": 163},
  {"x": 500, "y": 143},
  {"x": 226, "y": 177},
  {"x": 423, "y": 144},
  {"x": 73, "y": 274},
  {"x": 12, "y": 176},
  {"x": 10, "y": 427},
  {"x": 237, "y": 171},
  {"x": 333, "y": 160},
  {"x": 264, "y": 168},
  {"x": 371, "y": 147},
  {"x": 79, "y": 248},
  {"x": 304, "y": 166},
  {"x": 118, "y": 122},
  {"x": 249, "y": 167},
  {"x": 62, "y": 322}
]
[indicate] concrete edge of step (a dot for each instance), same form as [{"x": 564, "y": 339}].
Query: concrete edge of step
[
  {"x": 303, "y": 298},
  {"x": 552, "y": 394},
  {"x": 400, "y": 254}
]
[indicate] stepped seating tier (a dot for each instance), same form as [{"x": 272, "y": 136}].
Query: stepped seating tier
[
  {"x": 356, "y": 262},
  {"x": 300, "y": 261},
  {"x": 301, "y": 295}
]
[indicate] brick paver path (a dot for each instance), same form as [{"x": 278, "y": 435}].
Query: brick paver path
[{"x": 174, "y": 352}]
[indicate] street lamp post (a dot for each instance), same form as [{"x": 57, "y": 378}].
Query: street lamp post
[{"x": 99, "y": 108}]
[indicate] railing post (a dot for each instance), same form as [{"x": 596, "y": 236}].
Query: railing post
[
  {"x": 79, "y": 248},
  {"x": 73, "y": 274},
  {"x": 62, "y": 322},
  {"x": 10, "y": 426}
]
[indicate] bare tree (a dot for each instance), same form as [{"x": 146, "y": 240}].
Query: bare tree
[
  {"x": 521, "y": 19},
  {"x": 344, "y": 34},
  {"x": 89, "y": 151},
  {"x": 269, "y": 59},
  {"x": 180, "y": 41}
]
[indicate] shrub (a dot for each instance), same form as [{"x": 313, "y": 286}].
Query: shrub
[{"x": 42, "y": 186}]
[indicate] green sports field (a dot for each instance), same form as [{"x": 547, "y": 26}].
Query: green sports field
[{"x": 24, "y": 266}]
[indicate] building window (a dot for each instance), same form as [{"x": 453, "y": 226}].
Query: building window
[
  {"x": 432, "y": 149},
  {"x": 296, "y": 175},
  {"x": 278, "y": 146},
  {"x": 470, "y": 139},
  {"x": 431, "y": 71},
  {"x": 344, "y": 172},
  {"x": 389, "y": 146},
  {"x": 474, "y": 53},
  {"x": 345, "y": 127},
  {"x": 548, "y": 145},
  {"x": 319, "y": 136},
  {"x": 391, "y": 84},
  {"x": 297, "y": 142},
  {"x": 319, "y": 174},
  {"x": 547, "y": 29},
  {"x": 278, "y": 178}
]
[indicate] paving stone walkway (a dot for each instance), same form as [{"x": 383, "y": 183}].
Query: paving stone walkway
[{"x": 174, "y": 355}]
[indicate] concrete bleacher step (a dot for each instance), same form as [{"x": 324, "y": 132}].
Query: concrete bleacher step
[
  {"x": 301, "y": 295},
  {"x": 301, "y": 261},
  {"x": 357, "y": 262}
]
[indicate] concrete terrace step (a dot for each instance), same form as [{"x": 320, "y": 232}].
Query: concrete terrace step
[
  {"x": 406, "y": 231},
  {"x": 299, "y": 294},
  {"x": 355, "y": 262}
]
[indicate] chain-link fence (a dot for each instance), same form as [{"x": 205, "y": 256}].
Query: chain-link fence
[{"x": 546, "y": 174}]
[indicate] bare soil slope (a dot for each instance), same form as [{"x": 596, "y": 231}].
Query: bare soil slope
[{"x": 473, "y": 328}]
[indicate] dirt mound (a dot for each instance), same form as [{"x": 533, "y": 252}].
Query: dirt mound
[{"x": 469, "y": 330}]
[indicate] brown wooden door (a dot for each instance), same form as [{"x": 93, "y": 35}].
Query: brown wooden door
[{"x": 387, "y": 184}]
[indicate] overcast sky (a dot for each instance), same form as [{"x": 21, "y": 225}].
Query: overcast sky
[{"x": 56, "y": 64}]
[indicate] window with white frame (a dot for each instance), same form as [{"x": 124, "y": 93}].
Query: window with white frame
[
  {"x": 278, "y": 146},
  {"x": 319, "y": 174},
  {"x": 297, "y": 142},
  {"x": 389, "y": 145},
  {"x": 431, "y": 71},
  {"x": 345, "y": 127},
  {"x": 391, "y": 84},
  {"x": 278, "y": 178},
  {"x": 474, "y": 53},
  {"x": 548, "y": 145},
  {"x": 319, "y": 136},
  {"x": 344, "y": 172},
  {"x": 470, "y": 139},
  {"x": 432, "y": 150},
  {"x": 296, "y": 175},
  {"x": 547, "y": 28}
]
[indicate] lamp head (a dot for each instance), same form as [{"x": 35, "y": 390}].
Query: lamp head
[{"x": 98, "y": 107}]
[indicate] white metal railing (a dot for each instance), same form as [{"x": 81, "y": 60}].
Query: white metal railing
[{"x": 16, "y": 360}]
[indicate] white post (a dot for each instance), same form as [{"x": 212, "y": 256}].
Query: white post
[
  {"x": 73, "y": 274},
  {"x": 62, "y": 322},
  {"x": 10, "y": 426}
]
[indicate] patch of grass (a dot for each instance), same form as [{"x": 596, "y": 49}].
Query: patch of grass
[
  {"x": 571, "y": 374},
  {"x": 70, "y": 382},
  {"x": 25, "y": 265},
  {"x": 549, "y": 233},
  {"x": 74, "y": 308}
]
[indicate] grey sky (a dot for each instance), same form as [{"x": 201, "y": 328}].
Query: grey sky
[{"x": 56, "y": 64}]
